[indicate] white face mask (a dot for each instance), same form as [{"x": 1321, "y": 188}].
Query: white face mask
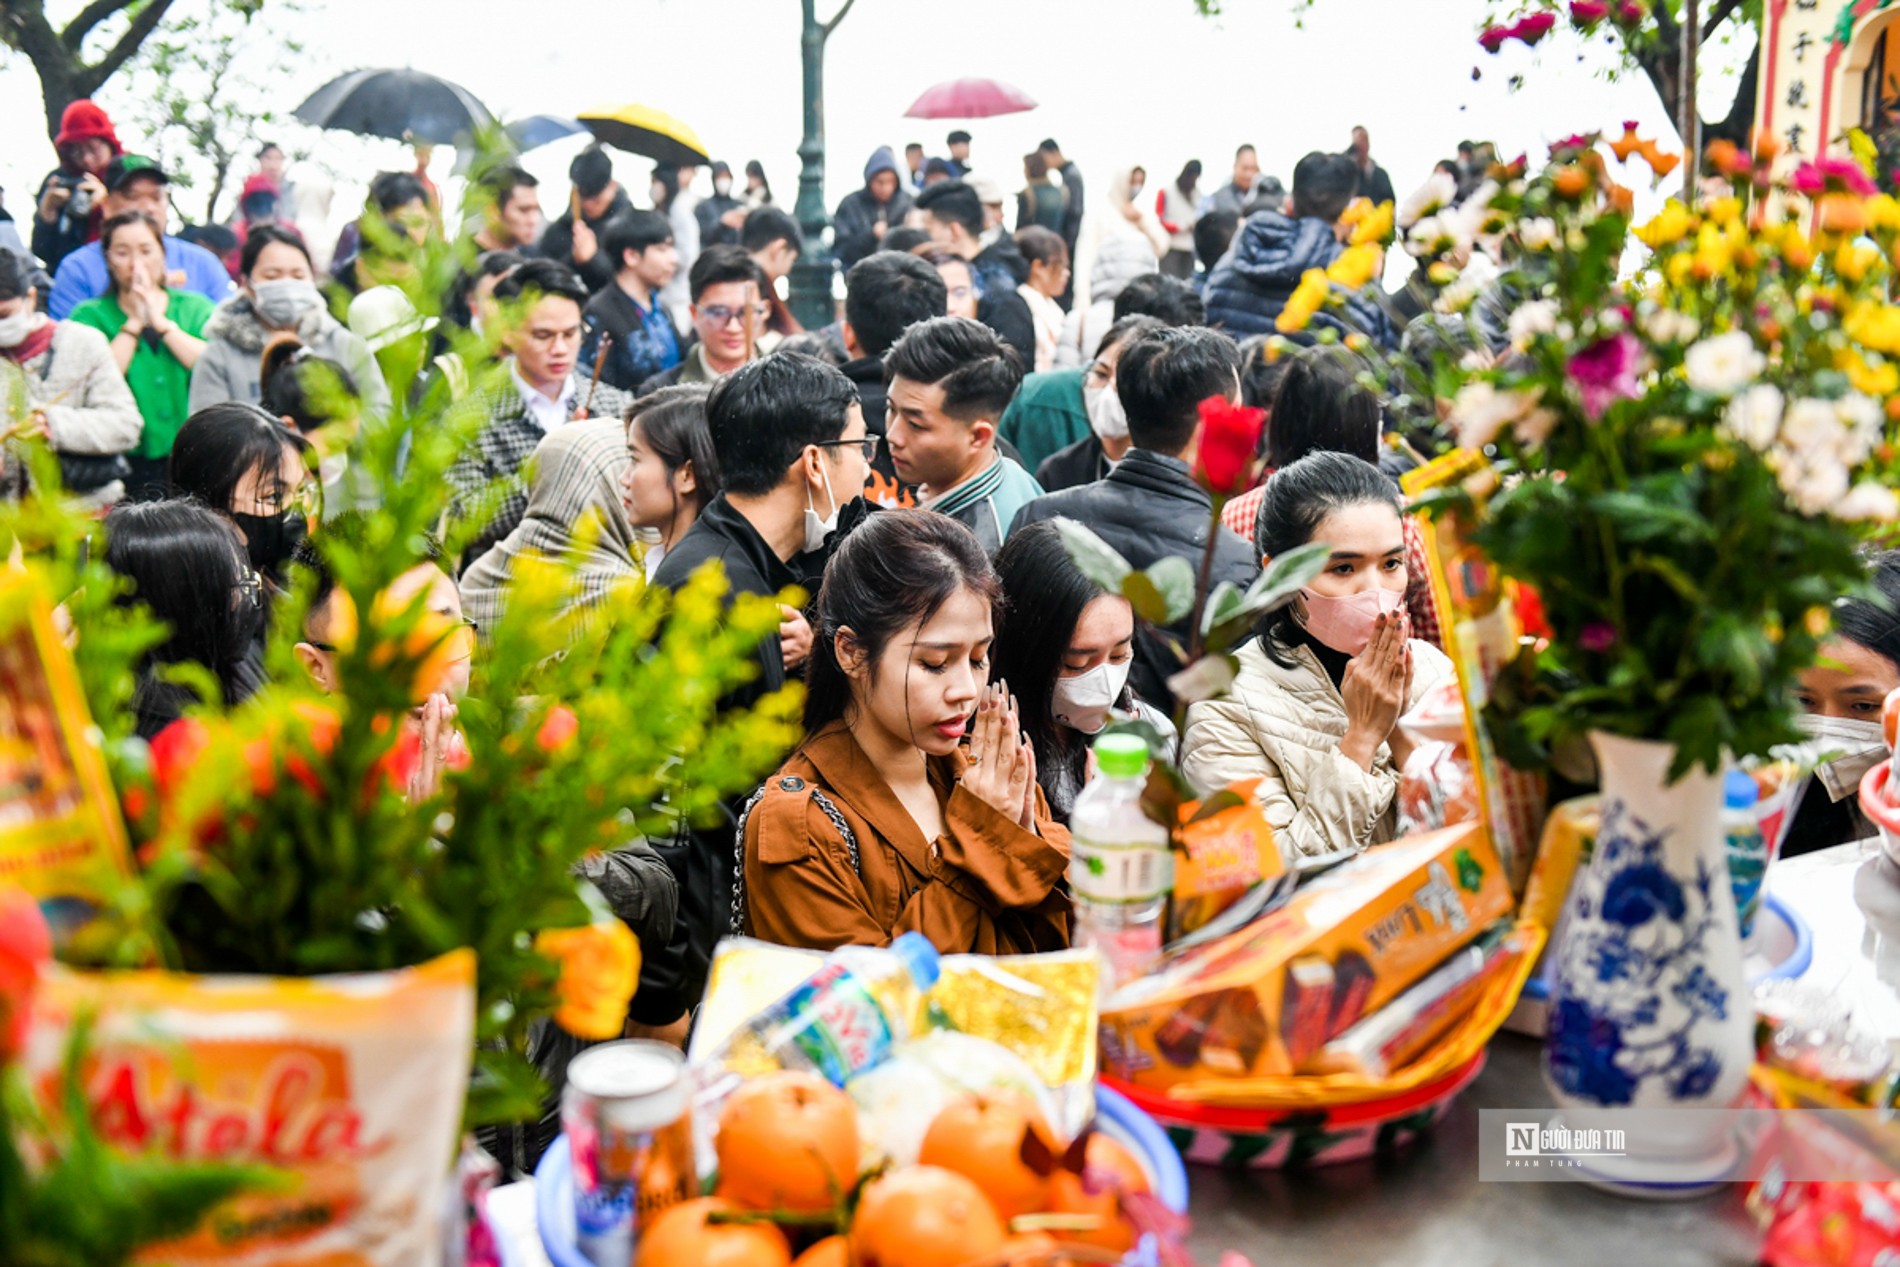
[
  {"x": 1861, "y": 745},
  {"x": 816, "y": 529},
  {"x": 14, "y": 329},
  {"x": 722, "y": 186},
  {"x": 1082, "y": 702},
  {"x": 284, "y": 302},
  {"x": 1104, "y": 407}
]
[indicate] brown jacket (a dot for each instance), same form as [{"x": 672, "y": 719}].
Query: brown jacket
[{"x": 985, "y": 886}]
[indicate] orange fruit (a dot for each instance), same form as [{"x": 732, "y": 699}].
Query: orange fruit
[
  {"x": 1030, "y": 1249},
  {"x": 833, "y": 1251},
  {"x": 682, "y": 1237},
  {"x": 1067, "y": 1195},
  {"x": 924, "y": 1216},
  {"x": 980, "y": 1136},
  {"x": 788, "y": 1141}
]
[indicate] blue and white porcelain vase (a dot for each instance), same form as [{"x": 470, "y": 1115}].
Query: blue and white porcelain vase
[{"x": 1649, "y": 1009}]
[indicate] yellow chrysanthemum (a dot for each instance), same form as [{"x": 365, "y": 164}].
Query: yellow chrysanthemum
[
  {"x": 1356, "y": 266},
  {"x": 1869, "y": 379},
  {"x": 1667, "y": 227},
  {"x": 1375, "y": 227},
  {"x": 1875, "y": 326},
  {"x": 1307, "y": 298}
]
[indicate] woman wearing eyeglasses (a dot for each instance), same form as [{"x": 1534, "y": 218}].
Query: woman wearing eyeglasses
[
  {"x": 187, "y": 565},
  {"x": 249, "y": 467},
  {"x": 729, "y": 308}
]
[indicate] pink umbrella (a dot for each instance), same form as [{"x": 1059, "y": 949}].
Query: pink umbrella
[{"x": 970, "y": 99}]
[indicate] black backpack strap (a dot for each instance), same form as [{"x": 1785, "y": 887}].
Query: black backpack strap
[{"x": 826, "y": 807}]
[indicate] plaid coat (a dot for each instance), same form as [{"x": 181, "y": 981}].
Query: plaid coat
[{"x": 495, "y": 458}]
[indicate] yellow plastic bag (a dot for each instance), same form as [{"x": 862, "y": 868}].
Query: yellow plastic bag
[{"x": 352, "y": 1085}]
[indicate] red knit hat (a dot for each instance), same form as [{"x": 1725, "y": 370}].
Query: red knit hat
[{"x": 84, "y": 121}]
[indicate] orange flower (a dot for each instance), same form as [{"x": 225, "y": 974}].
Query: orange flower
[
  {"x": 1660, "y": 161},
  {"x": 1622, "y": 200},
  {"x": 1728, "y": 158},
  {"x": 557, "y": 728},
  {"x": 1627, "y": 144},
  {"x": 600, "y": 967},
  {"x": 1570, "y": 181}
]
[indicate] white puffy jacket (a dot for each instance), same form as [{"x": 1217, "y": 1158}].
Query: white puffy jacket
[
  {"x": 1283, "y": 725},
  {"x": 79, "y": 388}
]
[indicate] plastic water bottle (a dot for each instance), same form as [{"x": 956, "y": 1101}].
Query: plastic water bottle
[
  {"x": 843, "y": 1019},
  {"x": 1747, "y": 849},
  {"x": 1121, "y": 869}
]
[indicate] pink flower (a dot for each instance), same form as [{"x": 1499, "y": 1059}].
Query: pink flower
[
  {"x": 1534, "y": 27},
  {"x": 1588, "y": 12},
  {"x": 1597, "y": 637},
  {"x": 1578, "y": 142},
  {"x": 1528, "y": 29},
  {"x": 1629, "y": 12},
  {"x": 1605, "y": 372},
  {"x": 1833, "y": 175}
]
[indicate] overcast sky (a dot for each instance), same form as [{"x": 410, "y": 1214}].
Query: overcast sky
[{"x": 1120, "y": 81}]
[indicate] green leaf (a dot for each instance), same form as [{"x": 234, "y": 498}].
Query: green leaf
[
  {"x": 1173, "y": 578},
  {"x": 1099, "y": 561},
  {"x": 1148, "y": 601},
  {"x": 1207, "y": 678}
]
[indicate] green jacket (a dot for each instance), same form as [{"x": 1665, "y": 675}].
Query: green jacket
[
  {"x": 159, "y": 383},
  {"x": 1046, "y": 416}
]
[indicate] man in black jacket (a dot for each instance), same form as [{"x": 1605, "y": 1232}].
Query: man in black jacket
[
  {"x": 859, "y": 225},
  {"x": 885, "y": 293},
  {"x": 790, "y": 440},
  {"x": 953, "y": 216},
  {"x": 600, "y": 198},
  {"x": 1149, "y": 507}
]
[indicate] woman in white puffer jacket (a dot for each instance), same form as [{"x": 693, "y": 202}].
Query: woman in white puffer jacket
[{"x": 1314, "y": 709}]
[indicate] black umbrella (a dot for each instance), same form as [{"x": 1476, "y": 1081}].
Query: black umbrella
[{"x": 398, "y": 104}]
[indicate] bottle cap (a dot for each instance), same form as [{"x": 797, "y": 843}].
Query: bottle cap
[
  {"x": 1739, "y": 790},
  {"x": 919, "y": 958},
  {"x": 1122, "y": 756}
]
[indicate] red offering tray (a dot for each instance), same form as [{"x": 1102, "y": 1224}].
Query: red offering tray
[{"x": 1240, "y": 1138}]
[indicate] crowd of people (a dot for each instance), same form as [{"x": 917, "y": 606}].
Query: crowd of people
[{"x": 905, "y": 465}]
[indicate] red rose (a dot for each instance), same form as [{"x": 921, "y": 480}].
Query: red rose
[
  {"x": 25, "y": 946},
  {"x": 1230, "y": 446}
]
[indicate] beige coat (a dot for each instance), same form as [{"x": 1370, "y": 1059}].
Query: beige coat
[{"x": 1285, "y": 724}]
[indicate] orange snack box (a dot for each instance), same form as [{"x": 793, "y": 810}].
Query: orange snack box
[
  {"x": 1219, "y": 856},
  {"x": 1250, "y": 1003}
]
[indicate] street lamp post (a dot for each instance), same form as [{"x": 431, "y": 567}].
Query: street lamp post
[{"x": 811, "y": 276}]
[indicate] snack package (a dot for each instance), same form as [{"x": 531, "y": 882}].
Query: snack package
[
  {"x": 1481, "y": 635},
  {"x": 1438, "y": 786},
  {"x": 1395, "y": 1034},
  {"x": 1218, "y": 858},
  {"x": 898, "y": 1100},
  {"x": 1251, "y": 1003},
  {"x": 352, "y": 1085},
  {"x": 62, "y": 838},
  {"x": 1041, "y": 1007}
]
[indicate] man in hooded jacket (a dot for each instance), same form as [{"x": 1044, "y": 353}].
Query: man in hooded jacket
[
  {"x": 1251, "y": 285},
  {"x": 864, "y": 214}
]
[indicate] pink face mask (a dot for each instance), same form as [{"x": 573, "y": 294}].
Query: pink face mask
[{"x": 1345, "y": 624}]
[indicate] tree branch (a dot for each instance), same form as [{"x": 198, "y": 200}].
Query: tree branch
[
  {"x": 1741, "y": 113},
  {"x": 143, "y": 25},
  {"x": 30, "y": 32},
  {"x": 92, "y": 15},
  {"x": 1717, "y": 16},
  {"x": 838, "y": 17}
]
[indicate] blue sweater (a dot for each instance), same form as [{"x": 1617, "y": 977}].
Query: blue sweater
[{"x": 83, "y": 275}]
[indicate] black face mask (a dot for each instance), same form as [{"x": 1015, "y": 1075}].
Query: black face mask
[{"x": 270, "y": 540}]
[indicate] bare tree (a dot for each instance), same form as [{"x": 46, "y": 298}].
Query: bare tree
[{"x": 75, "y": 60}]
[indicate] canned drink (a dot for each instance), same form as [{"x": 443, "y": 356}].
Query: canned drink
[{"x": 625, "y": 1114}]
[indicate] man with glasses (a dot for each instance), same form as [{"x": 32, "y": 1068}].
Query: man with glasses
[
  {"x": 728, "y": 310},
  {"x": 793, "y": 452},
  {"x": 544, "y": 300},
  {"x": 950, "y": 380}
]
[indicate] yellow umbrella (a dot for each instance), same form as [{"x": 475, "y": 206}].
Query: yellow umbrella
[{"x": 643, "y": 130}]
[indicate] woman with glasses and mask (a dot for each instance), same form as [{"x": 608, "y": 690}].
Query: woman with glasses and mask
[
  {"x": 187, "y": 565},
  {"x": 250, "y": 468},
  {"x": 729, "y": 308},
  {"x": 1840, "y": 699},
  {"x": 279, "y": 296},
  {"x": 1065, "y": 647}
]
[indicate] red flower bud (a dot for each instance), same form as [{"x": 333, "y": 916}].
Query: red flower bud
[
  {"x": 1230, "y": 444},
  {"x": 25, "y": 946},
  {"x": 557, "y": 728}
]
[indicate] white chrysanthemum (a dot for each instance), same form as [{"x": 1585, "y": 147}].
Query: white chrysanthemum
[
  {"x": 1812, "y": 429},
  {"x": 1754, "y": 417},
  {"x": 1436, "y": 193},
  {"x": 1538, "y": 233},
  {"x": 1666, "y": 325},
  {"x": 1723, "y": 364},
  {"x": 1815, "y": 487},
  {"x": 1861, "y": 420},
  {"x": 1481, "y": 410},
  {"x": 1869, "y": 502},
  {"x": 1539, "y": 316}
]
